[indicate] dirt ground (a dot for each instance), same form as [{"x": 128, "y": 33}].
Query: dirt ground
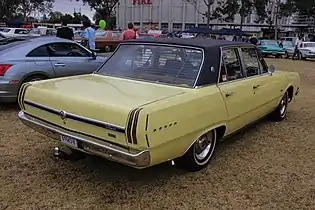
[{"x": 268, "y": 166}]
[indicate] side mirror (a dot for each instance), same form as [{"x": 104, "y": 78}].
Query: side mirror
[
  {"x": 271, "y": 69},
  {"x": 93, "y": 55}
]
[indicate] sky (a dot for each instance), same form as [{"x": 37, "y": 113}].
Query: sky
[{"x": 68, "y": 6}]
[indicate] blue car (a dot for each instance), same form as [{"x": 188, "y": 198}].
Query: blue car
[{"x": 271, "y": 47}]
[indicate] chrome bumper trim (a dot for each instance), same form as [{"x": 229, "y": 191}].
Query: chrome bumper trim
[{"x": 138, "y": 159}]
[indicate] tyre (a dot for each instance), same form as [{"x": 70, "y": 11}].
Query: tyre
[
  {"x": 286, "y": 55},
  {"x": 34, "y": 78},
  {"x": 281, "y": 111},
  {"x": 107, "y": 49},
  {"x": 200, "y": 153}
]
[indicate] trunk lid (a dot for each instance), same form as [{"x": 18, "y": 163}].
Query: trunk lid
[{"x": 99, "y": 105}]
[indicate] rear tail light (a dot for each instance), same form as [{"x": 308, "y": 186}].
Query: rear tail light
[{"x": 4, "y": 68}]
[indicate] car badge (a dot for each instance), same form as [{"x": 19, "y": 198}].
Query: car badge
[{"x": 63, "y": 115}]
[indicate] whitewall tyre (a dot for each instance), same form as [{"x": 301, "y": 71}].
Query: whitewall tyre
[
  {"x": 200, "y": 153},
  {"x": 281, "y": 111}
]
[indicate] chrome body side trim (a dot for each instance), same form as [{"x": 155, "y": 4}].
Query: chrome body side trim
[
  {"x": 136, "y": 159},
  {"x": 105, "y": 125}
]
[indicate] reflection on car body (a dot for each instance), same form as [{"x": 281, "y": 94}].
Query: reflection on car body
[{"x": 156, "y": 100}]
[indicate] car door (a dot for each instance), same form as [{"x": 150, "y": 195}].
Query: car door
[
  {"x": 236, "y": 90},
  {"x": 267, "y": 89},
  {"x": 70, "y": 59}
]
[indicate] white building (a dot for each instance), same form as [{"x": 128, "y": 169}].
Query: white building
[{"x": 175, "y": 15}]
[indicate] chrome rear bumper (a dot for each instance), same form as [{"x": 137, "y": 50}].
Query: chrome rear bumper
[{"x": 136, "y": 159}]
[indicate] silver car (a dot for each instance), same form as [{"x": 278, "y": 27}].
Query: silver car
[{"x": 30, "y": 59}]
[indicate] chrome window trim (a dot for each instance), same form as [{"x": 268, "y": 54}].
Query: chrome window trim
[
  {"x": 244, "y": 78},
  {"x": 161, "y": 44},
  {"x": 105, "y": 124}
]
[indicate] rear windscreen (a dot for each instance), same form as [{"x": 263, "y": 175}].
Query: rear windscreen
[{"x": 174, "y": 65}]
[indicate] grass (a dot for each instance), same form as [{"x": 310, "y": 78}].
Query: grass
[{"x": 268, "y": 166}]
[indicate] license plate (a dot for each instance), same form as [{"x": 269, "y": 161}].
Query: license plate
[{"x": 69, "y": 140}]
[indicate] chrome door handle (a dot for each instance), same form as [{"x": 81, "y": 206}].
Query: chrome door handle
[
  {"x": 60, "y": 64},
  {"x": 228, "y": 94},
  {"x": 256, "y": 86}
]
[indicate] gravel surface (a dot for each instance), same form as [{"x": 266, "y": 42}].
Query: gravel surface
[{"x": 268, "y": 166}]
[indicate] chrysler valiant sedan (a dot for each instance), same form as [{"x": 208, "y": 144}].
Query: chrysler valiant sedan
[{"x": 160, "y": 100}]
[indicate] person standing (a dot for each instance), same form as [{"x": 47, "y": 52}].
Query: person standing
[
  {"x": 296, "y": 47},
  {"x": 64, "y": 31},
  {"x": 89, "y": 35},
  {"x": 130, "y": 33}
]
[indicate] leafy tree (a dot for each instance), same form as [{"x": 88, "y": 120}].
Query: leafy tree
[
  {"x": 104, "y": 8},
  {"x": 8, "y": 9},
  {"x": 208, "y": 14},
  {"x": 26, "y": 7},
  {"x": 261, "y": 10},
  {"x": 245, "y": 10},
  {"x": 228, "y": 9},
  {"x": 305, "y": 7},
  {"x": 58, "y": 17}
]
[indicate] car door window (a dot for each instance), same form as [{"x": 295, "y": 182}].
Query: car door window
[
  {"x": 251, "y": 61},
  {"x": 67, "y": 50},
  {"x": 20, "y": 31},
  {"x": 41, "y": 51},
  {"x": 230, "y": 65}
]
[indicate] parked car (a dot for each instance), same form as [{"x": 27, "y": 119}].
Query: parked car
[
  {"x": 270, "y": 47},
  {"x": 289, "y": 48},
  {"x": 105, "y": 40},
  {"x": 2, "y": 36},
  {"x": 157, "y": 100},
  {"x": 307, "y": 50},
  {"x": 29, "y": 59},
  {"x": 14, "y": 32}
]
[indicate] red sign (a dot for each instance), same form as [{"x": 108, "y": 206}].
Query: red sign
[{"x": 143, "y": 2}]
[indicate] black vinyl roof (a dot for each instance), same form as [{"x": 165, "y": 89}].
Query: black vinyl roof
[{"x": 193, "y": 42}]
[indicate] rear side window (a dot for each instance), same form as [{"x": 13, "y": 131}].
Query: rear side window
[
  {"x": 20, "y": 31},
  {"x": 251, "y": 62},
  {"x": 41, "y": 51},
  {"x": 5, "y": 30},
  {"x": 231, "y": 68}
]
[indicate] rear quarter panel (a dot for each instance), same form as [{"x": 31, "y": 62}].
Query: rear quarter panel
[{"x": 174, "y": 124}]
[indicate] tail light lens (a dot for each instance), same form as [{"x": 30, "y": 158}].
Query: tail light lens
[{"x": 4, "y": 68}]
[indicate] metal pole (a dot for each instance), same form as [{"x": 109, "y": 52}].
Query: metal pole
[{"x": 276, "y": 19}]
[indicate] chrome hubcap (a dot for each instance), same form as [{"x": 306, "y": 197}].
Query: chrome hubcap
[
  {"x": 203, "y": 146},
  {"x": 283, "y": 106}
]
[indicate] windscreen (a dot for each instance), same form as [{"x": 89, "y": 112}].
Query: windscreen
[
  {"x": 172, "y": 65},
  {"x": 310, "y": 44}
]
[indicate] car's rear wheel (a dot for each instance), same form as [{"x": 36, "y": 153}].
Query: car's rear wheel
[
  {"x": 281, "y": 111},
  {"x": 34, "y": 78},
  {"x": 200, "y": 153},
  {"x": 286, "y": 55}
]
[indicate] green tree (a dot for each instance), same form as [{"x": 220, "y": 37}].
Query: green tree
[
  {"x": 27, "y": 7},
  {"x": 104, "y": 8},
  {"x": 8, "y": 9},
  {"x": 54, "y": 17},
  {"x": 228, "y": 9},
  {"x": 210, "y": 13},
  {"x": 305, "y": 7},
  {"x": 260, "y": 7}
]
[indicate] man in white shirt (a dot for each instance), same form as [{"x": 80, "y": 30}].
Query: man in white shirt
[{"x": 297, "y": 44}]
